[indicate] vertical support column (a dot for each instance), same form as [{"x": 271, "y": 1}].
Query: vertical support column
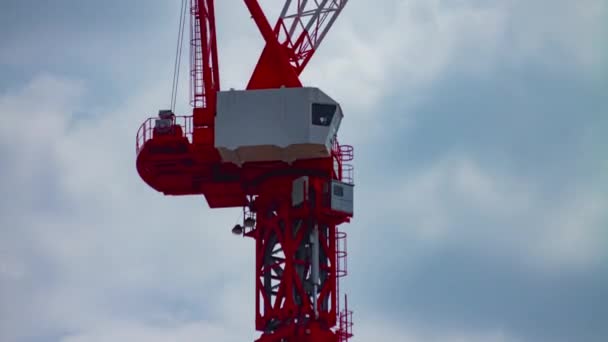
[
  {"x": 295, "y": 263},
  {"x": 314, "y": 240}
]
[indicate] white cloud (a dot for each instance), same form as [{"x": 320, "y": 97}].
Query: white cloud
[
  {"x": 458, "y": 200},
  {"x": 558, "y": 33},
  {"x": 402, "y": 48},
  {"x": 110, "y": 240},
  {"x": 119, "y": 331},
  {"x": 575, "y": 230},
  {"x": 371, "y": 55},
  {"x": 387, "y": 329}
]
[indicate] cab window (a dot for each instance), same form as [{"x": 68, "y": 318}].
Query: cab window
[{"x": 322, "y": 113}]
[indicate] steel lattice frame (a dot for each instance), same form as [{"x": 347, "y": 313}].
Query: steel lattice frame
[
  {"x": 285, "y": 247},
  {"x": 302, "y": 26},
  {"x": 290, "y": 305}
]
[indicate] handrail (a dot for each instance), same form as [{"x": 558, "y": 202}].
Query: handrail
[
  {"x": 342, "y": 154},
  {"x": 146, "y": 130},
  {"x": 348, "y": 171},
  {"x": 345, "y": 330},
  {"x": 345, "y": 316},
  {"x": 346, "y": 152},
  {"x": 341, "y": 254}
]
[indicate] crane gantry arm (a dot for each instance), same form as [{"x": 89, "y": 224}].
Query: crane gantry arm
[{"x": 297, "y": 34}]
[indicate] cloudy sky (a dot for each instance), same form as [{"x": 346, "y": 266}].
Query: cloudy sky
[{"x": 481, "y": 173}]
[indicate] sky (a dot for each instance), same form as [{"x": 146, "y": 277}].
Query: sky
[{"x": 481, "y": 173}]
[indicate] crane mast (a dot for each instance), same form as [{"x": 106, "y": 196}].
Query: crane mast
[{"x": 272, "y": 150}]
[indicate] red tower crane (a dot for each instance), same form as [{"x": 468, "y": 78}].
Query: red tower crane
[{"x": 272, "y": 150}]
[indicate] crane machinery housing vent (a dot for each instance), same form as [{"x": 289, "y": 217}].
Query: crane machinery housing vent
[{"x": 284, "y": 124}]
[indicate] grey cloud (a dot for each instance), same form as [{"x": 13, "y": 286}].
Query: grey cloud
[
  {"x": 497, "y": 176},
  {"x": 457, "y": 289},
  {"x": 96, "y": 253},
  {"x": 537, "y": 124}
]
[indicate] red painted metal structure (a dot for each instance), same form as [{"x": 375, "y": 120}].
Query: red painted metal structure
[{"x": 181, "y": 159}]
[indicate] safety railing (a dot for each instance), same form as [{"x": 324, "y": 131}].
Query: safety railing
[
  {"x": 348, "y": 173},
  {"x": 348, "y": 170},
  {"x": 146, "y": 130},
  {"x": 345, "y": 324},
  {"x": 343, "y": 153},
  {"x": 346, "y": 152},
  {"x": 345, "y": 321},
  {"x": 341, "y": 254}
]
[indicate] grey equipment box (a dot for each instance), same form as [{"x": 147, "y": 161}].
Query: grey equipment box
[
  {"x": 341, "y": 197},
  {"x": 299, "y": 188}
]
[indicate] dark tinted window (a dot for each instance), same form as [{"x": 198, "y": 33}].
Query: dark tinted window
[
  {"x": 338, "y": 191},
  {"x": 322, "y": 114}
]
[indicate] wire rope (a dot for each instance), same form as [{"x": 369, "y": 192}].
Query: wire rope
[{"x": 178, "y": 54}]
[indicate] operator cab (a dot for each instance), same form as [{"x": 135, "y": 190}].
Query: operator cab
[{"x": 285, "y": 124}]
